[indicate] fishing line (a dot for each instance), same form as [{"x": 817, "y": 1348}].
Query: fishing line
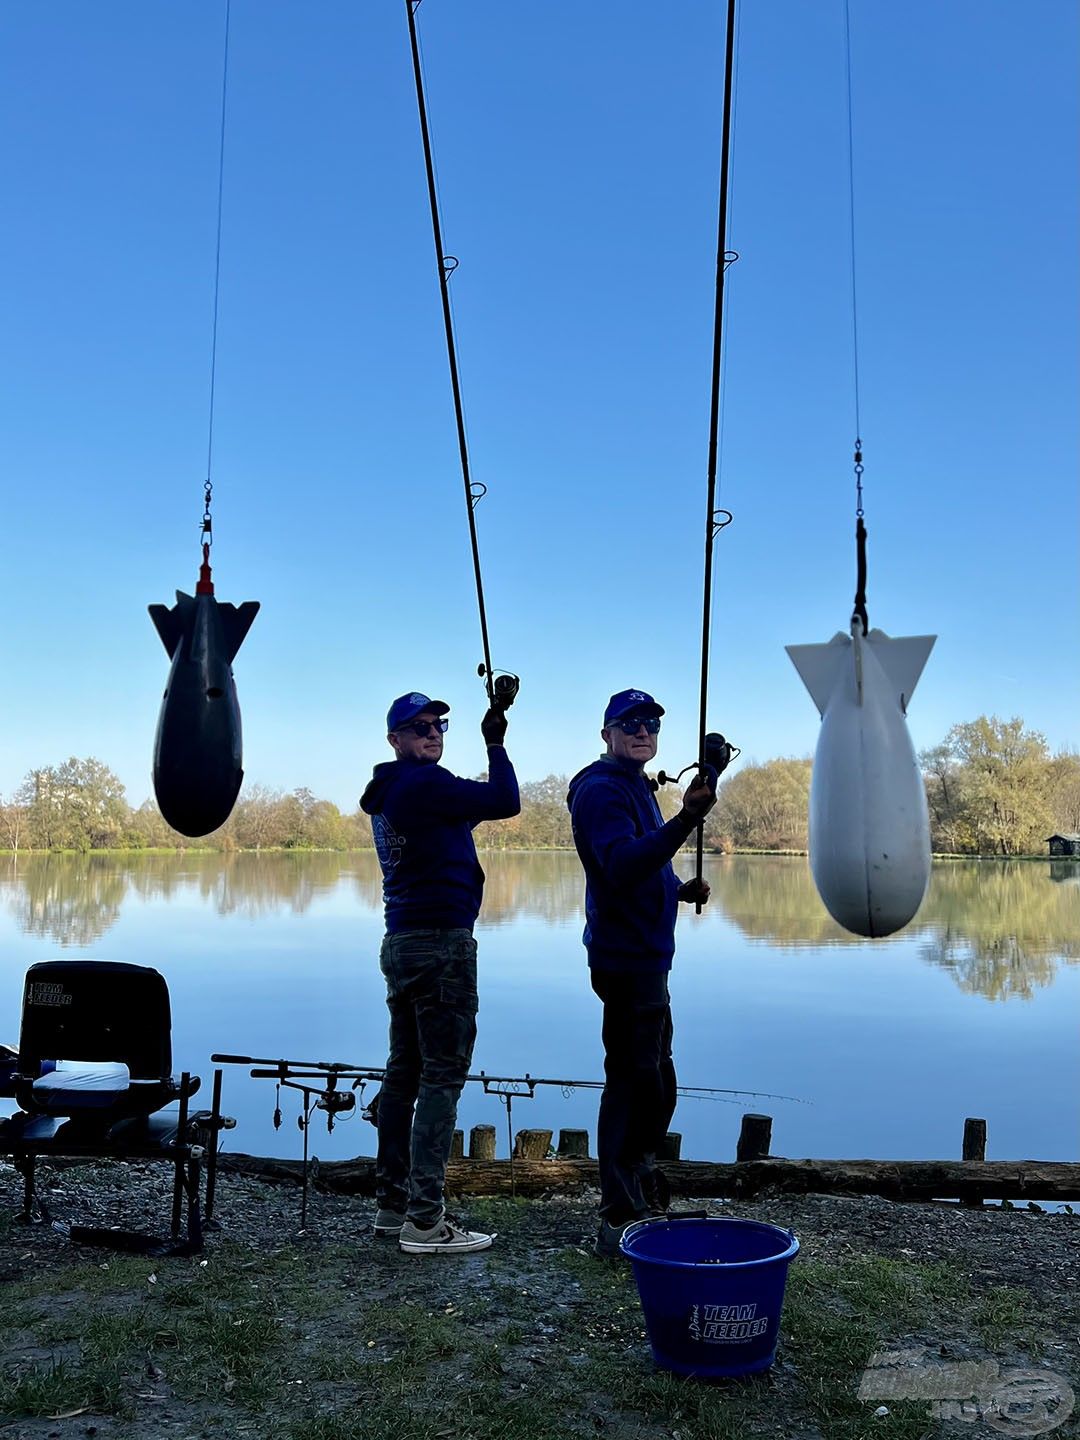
[
  {"x": 716, "y": 520},
  {"x": 208, "y": 489},
  {"x": 859, "y": 613},
  {"x": 501, "y": 688}
]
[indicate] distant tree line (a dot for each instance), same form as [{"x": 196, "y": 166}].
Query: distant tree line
[
  {"x": 992, "y": 786},
  {"x": 81, "y": 805}
]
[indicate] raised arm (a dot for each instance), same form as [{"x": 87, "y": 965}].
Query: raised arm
[
  {"x": 605, "y": 817},
  {"x": 452, "y": 798}
]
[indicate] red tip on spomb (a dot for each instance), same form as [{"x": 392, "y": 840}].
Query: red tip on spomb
[{"x": 205, "y": 585}]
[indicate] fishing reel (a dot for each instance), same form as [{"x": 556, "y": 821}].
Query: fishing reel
[
  {"x": 504, "y": 687},
  {"x": 719, "y": 753},
  {"x": 325, "y": 1097}
]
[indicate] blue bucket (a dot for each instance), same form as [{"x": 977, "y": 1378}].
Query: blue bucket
[{"x": 712, "y": 1291}]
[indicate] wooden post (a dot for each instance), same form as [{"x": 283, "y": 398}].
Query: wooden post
[
  {"x": 574, "y": 1144},
  {"x": 532, "y": 1144},
  {"x": 457, "y": 1145},
  {"x": 671, "y": 1149},
  {"x": 974, "y": 1149},
  {"x": 755, "y": 1137},
  {"x": 482, "y": 1142}
]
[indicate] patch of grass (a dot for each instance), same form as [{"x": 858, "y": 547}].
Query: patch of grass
[
  {"x": 123, "y": 1272},
  {"x": 697, "y": 1411},
  {"x": 56, "y": 1387},
  {"x": 880, "y": 1299},
  {"x": 500, "y": 1213},
  {"x": 377, "y": 1417},
  {"x": 414, "y": 1335},
  {"x": 1003, "y": 1315}
]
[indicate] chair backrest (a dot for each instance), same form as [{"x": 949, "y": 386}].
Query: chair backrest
[{"x": 96, "y": 1010}]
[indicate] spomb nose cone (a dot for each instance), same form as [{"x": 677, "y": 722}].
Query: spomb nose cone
[
  {"x": 864, "y": 917},
  {"x": 192, "y": 812}
]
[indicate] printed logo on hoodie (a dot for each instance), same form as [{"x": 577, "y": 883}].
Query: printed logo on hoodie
[{"x": 388, "y": 843}]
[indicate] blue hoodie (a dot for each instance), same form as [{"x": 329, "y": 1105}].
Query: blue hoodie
[
  {"x": 422, "y": 818},
  {"x": 631, "y": 890}
]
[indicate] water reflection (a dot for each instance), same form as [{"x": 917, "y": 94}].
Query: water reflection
[
  {"x": 1000, "y": 928},
  {"x": 72, "y": 899}
]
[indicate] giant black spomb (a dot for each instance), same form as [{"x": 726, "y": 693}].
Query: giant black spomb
[{"x": 198, "y": 748}]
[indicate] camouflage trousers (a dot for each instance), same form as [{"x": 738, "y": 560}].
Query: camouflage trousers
[{"x": 431, "y": 994}]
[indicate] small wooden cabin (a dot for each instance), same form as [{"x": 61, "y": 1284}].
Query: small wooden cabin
[{"x": 1064, "y": 844}]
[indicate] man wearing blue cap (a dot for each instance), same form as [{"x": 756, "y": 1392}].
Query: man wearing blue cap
[
  {"x": 631, "y": 901},
  {"x": 422, "y": 818}
]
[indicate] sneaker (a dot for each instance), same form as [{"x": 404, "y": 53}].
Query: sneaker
[
  {"x": 606, "y": 1244},
  {"x": 443, "y": 1238},
  {"x": 388, "y": 1223}
]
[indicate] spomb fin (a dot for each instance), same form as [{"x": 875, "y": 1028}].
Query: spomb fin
[
  {"x": 819, "y": 666},
  {"x": 902, "y": 659},
  {"x": 171, "y": 624},
  {"x": 235, "y": 623}
]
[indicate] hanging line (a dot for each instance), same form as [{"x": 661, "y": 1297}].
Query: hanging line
[
  {"x": 715, "y": 519},
  {"x": 859, "y": 613},
  {"x": 206, "y": 585},
  {"x": 447, "y": 264}
]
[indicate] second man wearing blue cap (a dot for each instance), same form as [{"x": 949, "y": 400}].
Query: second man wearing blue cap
[
  {"x": 422, "y": 818},
  {"x": 632, "y": 896}
]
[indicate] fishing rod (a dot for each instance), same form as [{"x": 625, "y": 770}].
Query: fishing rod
[
  {"x": 268, "y": 1068},
  {"x": 715, "y": 520},
  {"x": 326, "y": 1096},
  {"x": 502, "y": 688},
  {"x": 715, "y": 753}
]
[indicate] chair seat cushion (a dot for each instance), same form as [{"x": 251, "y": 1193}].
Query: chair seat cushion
[{"x": 81, "y": 1085}]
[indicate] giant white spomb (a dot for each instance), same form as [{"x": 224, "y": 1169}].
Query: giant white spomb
[{"x": 869, "y": 827}]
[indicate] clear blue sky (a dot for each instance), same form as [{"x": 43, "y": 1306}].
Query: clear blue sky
[{"x": 577, "y": 147}]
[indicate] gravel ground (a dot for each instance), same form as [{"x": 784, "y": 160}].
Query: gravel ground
[{"x": 539, "y": 1280}]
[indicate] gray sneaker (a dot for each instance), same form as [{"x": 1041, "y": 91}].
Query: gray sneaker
[
  {"x": 443, "y": 1238},
  {"x": 388, "y": 1224},
  {"x": 606, "y": 1244}
]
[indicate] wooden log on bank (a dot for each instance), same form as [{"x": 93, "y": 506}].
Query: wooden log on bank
[
  {"x": 893, "y": 1179},
  {"x": 755, "y": 1137},
  {"x": 482, "y": 1142},
  {"x": 974, "y": 1149},
  {"x": 574, "y": 1144},
  {"x": 532, "y": 1144}
]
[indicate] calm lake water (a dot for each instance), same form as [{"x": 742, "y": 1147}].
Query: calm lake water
[{"x": 885, "y": 1045}]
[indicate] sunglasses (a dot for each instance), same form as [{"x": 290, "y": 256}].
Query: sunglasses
[
  {"x": 423, "y": 728},
  {"x": 634, "y": 724}
]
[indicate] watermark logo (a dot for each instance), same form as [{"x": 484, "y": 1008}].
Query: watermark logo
[{"x": 1010, "y": 1401}]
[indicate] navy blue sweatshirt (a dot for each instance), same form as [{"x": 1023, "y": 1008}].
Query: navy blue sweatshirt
[
  {"x": 631, "y": 890},
  {"x": 422, "y": 818}
]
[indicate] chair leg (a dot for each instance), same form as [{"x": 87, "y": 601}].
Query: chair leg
[
  {"x": 194, "y": 1215},
  {"x": 212, "y": 1148},
  {"x": 183, "y": 1153},
  {"x": 27, "y": 1168}
]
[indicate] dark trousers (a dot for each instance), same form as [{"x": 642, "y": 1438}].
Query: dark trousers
[
  {"x": 431, "y": 994},
  {"x": 639, "y": 1089}
]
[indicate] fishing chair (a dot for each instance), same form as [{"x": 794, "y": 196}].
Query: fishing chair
[{"x": 93, "y": 1077}]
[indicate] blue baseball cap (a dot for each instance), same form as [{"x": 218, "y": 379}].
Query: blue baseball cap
[
  {"x": 631, "y": 702},
  {"x": 407, "y": 707}
]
